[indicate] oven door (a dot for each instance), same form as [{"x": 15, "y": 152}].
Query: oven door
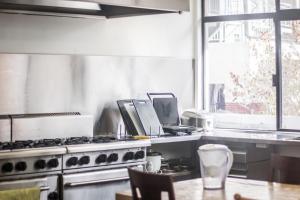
[
  {"x": 42, "y": 183},
  {"x": 95, "y": 185}
]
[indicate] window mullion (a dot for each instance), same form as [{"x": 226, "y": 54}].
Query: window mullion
[
  {"x": 278, "y": 73},
  {"x": 291, "y": 14},
  {"x": 224, "y": 18}
]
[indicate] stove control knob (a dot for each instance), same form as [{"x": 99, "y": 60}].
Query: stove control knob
[
  {"x": 101, "y": 159},
  {"x": 21, "y": 166},
  {"x": 53, "y": 163},
  {"x": 53, "y": 196},
  {"x": 139, "y": 155},
  {"x": 84, "y": 160},
  {"x": 128, "y": 156},
  {"x": 7, "y": 167},
  {"x": 40, "y": 164},
  {"x": 72, "y": 161},
  {"x": 113, "y": 157}
]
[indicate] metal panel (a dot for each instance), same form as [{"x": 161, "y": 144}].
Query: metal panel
[
  {"x": 168, "y": 5},
  {"x": 5, "y": 129},
  {"x": 30, "y": 163},
  {"x": 30, "y": 128},
  {"x": 59, "y": 8},
  {"x": 108, "y": 146},
  {"x": 59, "y": 4},
  {"x": 68, "y": 180},
  {"x": 32, "y": 152},
  {"x": 96, "y": 185},
  {"x": 89, "y": 85},
  {"x": 40, "y": 13},
  {"x": 92, "y": 8}
]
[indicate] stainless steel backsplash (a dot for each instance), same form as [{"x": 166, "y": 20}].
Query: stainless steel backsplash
[{"x": 89, "y": 84}]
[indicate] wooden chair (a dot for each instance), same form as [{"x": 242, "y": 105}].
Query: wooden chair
[
  {"x": 284, "y": 169},
  {"x": 150, "y": 185}
]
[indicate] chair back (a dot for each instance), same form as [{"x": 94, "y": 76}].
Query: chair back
[
  {"x": 150, "y": 185},
  {"x": 285, "y": 169}
]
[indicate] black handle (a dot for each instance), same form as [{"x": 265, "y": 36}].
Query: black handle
[
  {"x": 275, "y": 80},
  {"x": 93, "y": 182}
]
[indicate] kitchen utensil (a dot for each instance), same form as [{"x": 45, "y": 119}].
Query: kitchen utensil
[
  {"x": 215, "y": 162},
  {"x": 165, "y": 105},
  {"x": 141, "y": 137},
  {"x": 198, "y": 119},
  {"x": 167, "y": 111},
  {"x": 177, "y": 130},
  {"x": 148, "y": 117},
  {"x": 166, "y": 108},
  {"x": 130, "y": 118}
]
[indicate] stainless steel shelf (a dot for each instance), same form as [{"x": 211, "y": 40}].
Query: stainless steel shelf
[{"x": 170, "y": 139}]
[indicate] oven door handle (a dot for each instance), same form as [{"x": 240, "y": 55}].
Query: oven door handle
[
  {"x": 44, "y": 188},
  {"x": 75, "y": 184}
]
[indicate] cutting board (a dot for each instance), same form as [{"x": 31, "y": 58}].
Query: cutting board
[
  {"x": 148, "y": 117},
  {"x": 130, "y": 118}
]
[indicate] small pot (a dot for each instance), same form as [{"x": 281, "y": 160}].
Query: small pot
[{"x": 153, "y": 162}]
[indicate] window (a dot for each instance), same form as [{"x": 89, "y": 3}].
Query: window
[
  {"x": 233, "y": 7},
  {"x": 290, "y": 58},
  {"x": 289, "y": 4},
  {"x": 240, "y": 56},
  {"x": 252, "y": 63}
]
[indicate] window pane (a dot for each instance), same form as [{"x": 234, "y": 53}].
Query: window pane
[
  {"x": 289, "y": 4},
  {"x": 291, "y": 74},
  {"x": 231, "y": 7},
  {"x": 240, "y": 61}
]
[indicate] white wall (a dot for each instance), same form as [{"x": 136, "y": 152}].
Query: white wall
[{"x": 165, "y": 35}]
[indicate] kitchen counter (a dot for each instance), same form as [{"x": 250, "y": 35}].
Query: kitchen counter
[
  {"x": 170, "y": 139},
  {"x": 279, "y": 138},
  {"x": 258, "y": 137}
]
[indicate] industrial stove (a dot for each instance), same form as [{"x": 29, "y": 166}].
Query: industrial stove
[{"x": 71, "y": 168}]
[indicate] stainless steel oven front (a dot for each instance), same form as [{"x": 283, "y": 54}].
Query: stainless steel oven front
[{"x": 99, "y": 185}]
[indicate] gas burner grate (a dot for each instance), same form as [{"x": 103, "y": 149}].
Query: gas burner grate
[
  {"x": 48, "y": 143},
  {"x": 5, "y": 146},
  {"x": 103, "y": 139},
  {"x": 25, "y": 144},
  {"x": 77, "y": 140},
  {"x": 22, "y": 144}
]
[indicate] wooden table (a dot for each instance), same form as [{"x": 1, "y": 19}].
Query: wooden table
[{"x": 250, "y": 189}]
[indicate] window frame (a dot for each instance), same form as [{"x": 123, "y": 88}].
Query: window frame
[{"x": 277, "y": 16}]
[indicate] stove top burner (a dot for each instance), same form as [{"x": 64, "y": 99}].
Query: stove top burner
[
  {"x": 103, "y": 139},
  {"x": 22, "y": 144},
  {"x": 88, "y": 140},
  {"x": 5, "y": 145},
  {"x": 25, "y": 144},
  {"x": 48, "y": 143},
  {"x": 77, "y": 140}
]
